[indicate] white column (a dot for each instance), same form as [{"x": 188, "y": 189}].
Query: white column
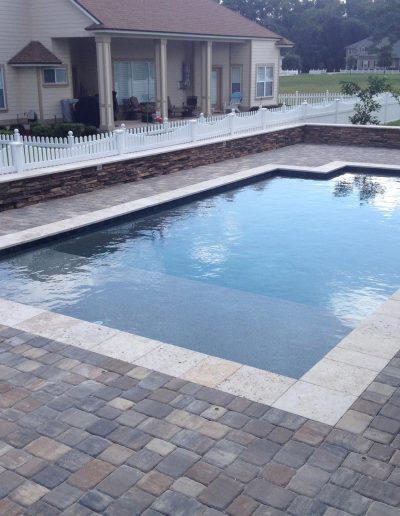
[
  {"x": 206, "y": 68},
  {"x": 104, "y": 78},
  {"x": 161, "y": 77}
]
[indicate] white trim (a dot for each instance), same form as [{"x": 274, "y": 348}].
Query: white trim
[
  {"x": 179, "y": 35},
  {"x": 84, "y": 11},
  {"x": 4, "y": 108}
]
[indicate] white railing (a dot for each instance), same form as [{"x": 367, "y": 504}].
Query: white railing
[
  {"x": 288, "y": 73},
  {"x": 297, "y": 98},
  {"x": 317, "y": 72},
  {"x": 380, "y": 71},
  {"x": 18, "y": 153}
]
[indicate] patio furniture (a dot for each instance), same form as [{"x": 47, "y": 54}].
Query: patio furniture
[
  {"x": 132, "y": 108},
  {"x": 234, "y": 102},
  {"x": 191, "y": 107}
]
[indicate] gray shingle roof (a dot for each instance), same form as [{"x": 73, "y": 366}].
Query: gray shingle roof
[{"x": 200, "y": 17}]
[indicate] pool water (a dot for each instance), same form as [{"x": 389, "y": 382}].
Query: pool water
[{"x": 272, "y": 274}]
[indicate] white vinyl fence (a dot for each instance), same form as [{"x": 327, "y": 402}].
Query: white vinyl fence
[
  {"x": 19, "y": 153},
  {"x": 297, "y": 98},
  {"x": 380, "y": 71}
]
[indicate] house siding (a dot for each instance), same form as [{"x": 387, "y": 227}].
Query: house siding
[
  {"x": 241, "y": 55},
  {"x": 14, "y": 35},
  {"x": 60, "y": 26},
  {"x": 264, "y": 52},
  {"x": 59, "y": 18}
]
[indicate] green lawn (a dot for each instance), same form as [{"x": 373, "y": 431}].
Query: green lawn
[
  {"x": 316, "y": 83},
  {"x": 395, "y": 122}
]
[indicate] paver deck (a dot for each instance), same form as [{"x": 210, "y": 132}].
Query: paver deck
[{"x": 82, "y": 433}]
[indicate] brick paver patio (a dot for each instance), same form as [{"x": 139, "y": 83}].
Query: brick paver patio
[{"x": 84, "y": 434}]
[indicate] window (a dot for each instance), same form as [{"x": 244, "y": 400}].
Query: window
[
  {"x": 236, "y": 79},
  {"x": 55, "y": 76},
  {"x": 134, "y": 79},
  {"x": 3, "y": 104},
  {"x": 264, "y": 75}
]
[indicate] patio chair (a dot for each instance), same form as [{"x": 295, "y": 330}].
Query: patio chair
[
  {"x": 133, "y": 108},
  {"x": 191, "y": 106},
  {"x": 234, "y": 102}
]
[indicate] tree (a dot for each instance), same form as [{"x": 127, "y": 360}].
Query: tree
[
  {"x": 351, "y": 62},
  {"x": 291, "y": 61},
  {"x": 367, "y": 105},
  {"x": 385, "y": 57}
]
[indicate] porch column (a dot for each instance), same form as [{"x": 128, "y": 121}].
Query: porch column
[
  {"x": 104, "y": 78},
  {"x": 161, "y": 77},
  {"x": 206, "y": 67}
]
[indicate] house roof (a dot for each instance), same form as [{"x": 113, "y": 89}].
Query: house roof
[
  {"x": 374, "y": 47},
  {"x": 199, "y": 17},
  {"x": 34, "y": 54}
]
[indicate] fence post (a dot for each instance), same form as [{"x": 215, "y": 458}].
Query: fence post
[
  {"x": 193, "y": 130},
  {"x": 284, "y": 107},
  {"x": 337, "y": 110},
  {"x": 120, "y": 137},
  {"x": 385, "y": 108},
  {"x": 304, "y": 111},
  {"x": 71, "y": 138},
  {"x": 201, "y": 118},
  {"x": 17, "y": 152},
  {"x": 165, "y": 123},
  {"x": 231, "y": 122},
  {"x": 264, "y": 112},
  {"x": 297, "y": 98}
]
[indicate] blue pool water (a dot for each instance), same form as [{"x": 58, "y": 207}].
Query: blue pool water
[{"x": 271, "y": 274}]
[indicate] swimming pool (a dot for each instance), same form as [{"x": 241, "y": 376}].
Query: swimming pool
[{"x": 272, "y": 274}]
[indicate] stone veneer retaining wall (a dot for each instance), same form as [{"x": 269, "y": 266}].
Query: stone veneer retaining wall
[
  {"x": 16, "y": 193},
  {"x": 371, "y": 136}
]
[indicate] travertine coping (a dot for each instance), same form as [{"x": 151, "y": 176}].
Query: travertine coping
[{"x": 324, "y": 393}]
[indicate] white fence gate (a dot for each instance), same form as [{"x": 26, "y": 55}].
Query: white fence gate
[{"x": 19, "y": 153}]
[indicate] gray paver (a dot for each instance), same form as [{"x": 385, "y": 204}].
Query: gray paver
[{"x": 275, "y": 463}]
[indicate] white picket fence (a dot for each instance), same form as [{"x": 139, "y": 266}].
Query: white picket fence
[
  {"x": 297, "y": 98},
  {"x": 18, "y": 153},
  {"x": 288, "y": 73},
  {"x": 379, "y": 71}
]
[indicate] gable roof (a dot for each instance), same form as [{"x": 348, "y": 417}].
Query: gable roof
[
  {"x": 374, "y": 47},
  {"x": 199, "y": 17},
  {"x": 34, "y": 54}
]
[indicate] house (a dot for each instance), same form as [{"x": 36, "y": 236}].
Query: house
[
  {"x": 364, "y": 54},
  {"x": 159, "y": 51}
]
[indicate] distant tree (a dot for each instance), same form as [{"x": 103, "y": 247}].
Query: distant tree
[
  {"x": 351, "y": 62},
  {"x": 385, "y": 57},
  {"x": 367, "y": 105},
  {"x": 291, "y": 61}
]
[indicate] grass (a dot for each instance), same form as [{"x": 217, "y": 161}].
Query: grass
[
  {"x": 316, "y": 83},
  {"x": 395, "y": 122}
]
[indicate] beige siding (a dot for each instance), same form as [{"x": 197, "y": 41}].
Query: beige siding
[
  {"x": 264, "y": 52},
  {"x": 241, "y": 55},
  {"x": 221, "y": 59},
  {"x": 14, "y": 35},
  {"x": 57, "y": 18},
  {"x": 178, "y": 52}
]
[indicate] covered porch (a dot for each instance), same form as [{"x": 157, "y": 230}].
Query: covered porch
[{"x": 171, "y": 77}]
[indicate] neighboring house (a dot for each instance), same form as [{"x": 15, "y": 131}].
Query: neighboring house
[
  {"x": 365, "y": 54},
  {"x": 157, "y": 50}
]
